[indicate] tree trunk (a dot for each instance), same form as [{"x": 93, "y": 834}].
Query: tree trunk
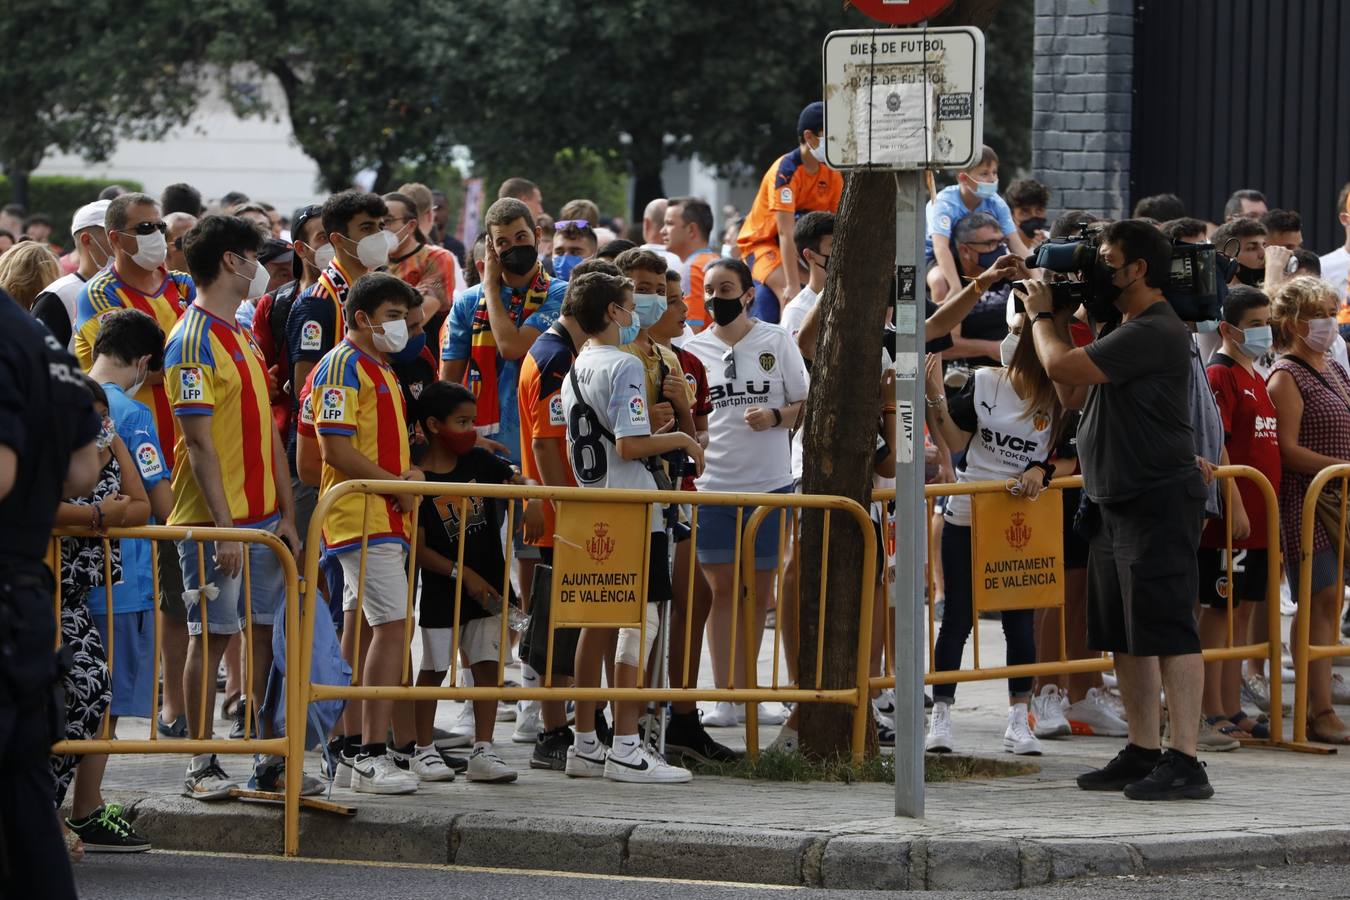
[
  {"x": 647, "y": 160},
  {"x": 18, "y": 186},
  {"x": 842, "y": 415},
  {"x": 841, "y": 429}
]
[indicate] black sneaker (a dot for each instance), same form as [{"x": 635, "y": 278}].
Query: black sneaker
[
  {"x": 1129, "y": 766},
  {"x": 603, "y": 733},
  {"x": 550, "y": 749},
  {"x": 459, "y": 764},
  {"x": 237, "y": 730},
  {"x": 178, "y": 729},
  {"x": 686, "y": 737},
  {"x": 105, "y": 831},
  {"x": 1175, "y": 777}
]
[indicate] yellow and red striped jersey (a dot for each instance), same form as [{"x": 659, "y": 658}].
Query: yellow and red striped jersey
[
  {"x": 213, "y": 368},
  {"x": 358, "y": 396},
  {"x": 106, "y": 292}
]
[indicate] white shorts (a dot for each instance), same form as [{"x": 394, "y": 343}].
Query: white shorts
[
  {"x": 627, "y": 649},
  {"x": 480, "y": 643},
  {"x": 385, "y": 598}
]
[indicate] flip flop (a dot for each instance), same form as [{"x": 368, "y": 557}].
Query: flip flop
[
  {"x": 1259, "y": 729},
  {"x": 1340, "y": 736}
]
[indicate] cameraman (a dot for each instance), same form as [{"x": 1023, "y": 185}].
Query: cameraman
[{"x": 1139, "y": 466}]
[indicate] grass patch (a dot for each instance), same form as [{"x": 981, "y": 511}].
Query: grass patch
[{"x": 773, "y": 766}]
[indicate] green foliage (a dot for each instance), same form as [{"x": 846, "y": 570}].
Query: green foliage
[
  {"x": 796, "y": 767},
  {"x": 58, "y": 196},
  {"x": 1007, "y": 87},
  {"x": 569, "y": 175}
]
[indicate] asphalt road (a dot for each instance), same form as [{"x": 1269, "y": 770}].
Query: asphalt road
[{"x": 165, "y": 875}]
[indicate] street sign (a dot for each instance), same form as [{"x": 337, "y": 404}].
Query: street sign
[
  {"x": 904, "y": 99},
  {"x": 900, "y": 12}
]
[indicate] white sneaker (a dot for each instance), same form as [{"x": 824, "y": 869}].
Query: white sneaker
[
  {"x": 486, "y": 767},
  {"x": 581, "y": 766},
  {"x": 767, "y": 715},
  {"x": 506, "y": 712},
  {"x": 884, "y": 704},
  {"x": 1287, "y": 605},
  {"x": 723, "y": 715},
  {"x": 939, "y": 738},
  {"x": 1018, "y": 738},
  {"x": 343, "y": 778},
  {"x": 528, "y": 724},
  {"x": 208, "y": 781},
  {"x": 1094, "y": 715},
  {"x": 424, "y": 763},
  {"x": 381, "y": 775},
  {"x": 461, "y": 732},
  {"x": 1340, "y": 690},
  {"x": 1109, "y": 680},
  {"x": 1047, "y": 713},
  {"x": 643, "y": 766},
  {"x": 785, "y": 743}
]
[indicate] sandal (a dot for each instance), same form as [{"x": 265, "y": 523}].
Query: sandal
[
  {"x": 1340, "y": 736},
  {"x": 229, "y": 707},
  {"x": 74, "y": 846},
  {"x": 1259, "y": 728}
]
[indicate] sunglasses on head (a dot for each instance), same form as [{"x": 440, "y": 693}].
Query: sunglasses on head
[
  {"x": 148, "y": 228},
  {"x": 571, "y": 223}
]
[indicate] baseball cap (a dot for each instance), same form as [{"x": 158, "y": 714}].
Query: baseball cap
[
  {"x": 811, "y": 119},
  {"x": 90, "y": 215},
  {"x": 275, "y": 250},
  {"x": 302, "y": 215}
]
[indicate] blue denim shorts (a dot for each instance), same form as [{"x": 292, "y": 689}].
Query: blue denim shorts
[
  {"x": 717, "y": 535},
  {"x": 225, "y": 613}
]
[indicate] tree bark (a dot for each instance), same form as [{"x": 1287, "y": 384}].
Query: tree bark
[
  {"x": 647, "y": 160},
  {"x": 842, "y": 414}
]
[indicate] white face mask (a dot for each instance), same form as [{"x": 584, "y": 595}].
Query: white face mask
[
  {"x": 141, "y": 375},
  {"x": 818, "y": 151},
  {"x": 1007, "y": 348},
  {"x": 373, "y": 249},
  {"x": 394, "y": 338},
  {"x": 151, "y": 250},
  {"x": 1322, "y": 334},
  {"x": 257, "y": 284},
  {"x": 323, "y": 257}
]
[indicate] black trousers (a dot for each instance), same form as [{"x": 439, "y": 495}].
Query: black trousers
[{"x": 33, "y": 859}]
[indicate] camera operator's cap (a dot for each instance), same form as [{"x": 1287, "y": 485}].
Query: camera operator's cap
[
  {"x": 89, "y": 216},
  {"x": 275, "y": 250},
  {"x": 811, "y": 119},
  {"x": 302, "y": 215}
]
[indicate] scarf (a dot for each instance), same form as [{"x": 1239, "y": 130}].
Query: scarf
[
  {"x": 484, "y": 362},
  {"x": 333, "y": 282}
]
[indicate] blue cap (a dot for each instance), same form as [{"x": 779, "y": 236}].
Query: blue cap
[{"x": 812, "y": 119}]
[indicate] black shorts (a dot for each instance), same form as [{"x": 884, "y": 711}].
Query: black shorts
[
  {"x": 1142, "y": 574},
  {"x": 171, "y": 582},
  {"x": 658, "y": 570},
  {"x": 1250, "y": 568},
  {"x": 1075, "y": 548}
]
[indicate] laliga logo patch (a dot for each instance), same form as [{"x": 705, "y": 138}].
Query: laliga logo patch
[
  {"x": 190, "y": 385},
  {"x": 148, "y": 461},
  {"x": 311, "y": 335},
  {"x": 334, "y": 405},
  {"x": 785, "y": 195},
  {"x": 555, "y": 410},
  {"x": 637, "y": 409}
]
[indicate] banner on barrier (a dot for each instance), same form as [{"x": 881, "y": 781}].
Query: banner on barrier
[
  {"x": 600, "y": 563},
  {"x": 1017, "y": 551}
]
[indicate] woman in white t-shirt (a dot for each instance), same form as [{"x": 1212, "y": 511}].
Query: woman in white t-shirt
[
  {"x": 1006, "y": 419},
  {"x": 757, "y": 384}
]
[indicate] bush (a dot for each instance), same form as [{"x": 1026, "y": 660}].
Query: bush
[{"x": 58, "y": 196}]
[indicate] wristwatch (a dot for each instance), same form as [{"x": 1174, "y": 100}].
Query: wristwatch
[{"x": 1043, "y": 315}]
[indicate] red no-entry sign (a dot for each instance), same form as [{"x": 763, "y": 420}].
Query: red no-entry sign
[{"x": 901, "y": 12}]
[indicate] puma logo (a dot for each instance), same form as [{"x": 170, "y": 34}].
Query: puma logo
[{"x": 988, "y": 407}]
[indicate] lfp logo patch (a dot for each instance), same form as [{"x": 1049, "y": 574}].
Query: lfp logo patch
[
  {"x": 311, "y": 335},
  {"x": 148, "y": 461},
  {"x": 637, "y": 409},
  {"x": 555, "y": 411},
  {"x": 334, "y": 405},
  {"x": 190, "y": 381}
]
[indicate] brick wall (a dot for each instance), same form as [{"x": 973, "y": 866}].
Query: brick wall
[{"x": 1080, "y": 143}]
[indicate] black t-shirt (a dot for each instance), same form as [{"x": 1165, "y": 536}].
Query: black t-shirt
[
  {"x": 1135, "y": 434},
  {"x": 439, "y": 518},
  {"x": 46, "y": 413},
  {"x": 50, "y": 310}
]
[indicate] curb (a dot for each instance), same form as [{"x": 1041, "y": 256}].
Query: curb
[{"x": 753, "y": 856}]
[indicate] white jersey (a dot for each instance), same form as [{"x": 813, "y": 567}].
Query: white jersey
[
  {"x": 613, "y": 385},
  {"x": 673, "y": 262},
  {"x": 764, "y": 368},
  {"x": 1336, "y": 272},
  {"x": 1007, "y": 437},
  {"x": 68, "y": 288},
  {"x": 794, "y": 314}
]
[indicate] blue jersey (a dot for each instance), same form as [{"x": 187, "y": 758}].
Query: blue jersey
[
  {"x": 947, "y": 208},
  {"x": 136, "y": 427}
]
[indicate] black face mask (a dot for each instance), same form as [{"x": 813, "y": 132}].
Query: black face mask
[
  {"x": 726, "y": 310},
  {"x": 520, "y": 259},
  {"x": 1029, "y": 227},
  {"x": 1101, "y": 304},
  {"x": 1251, "y": 277}
]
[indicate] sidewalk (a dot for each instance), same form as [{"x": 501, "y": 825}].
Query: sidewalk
[{"x": 1270, "y": 808}]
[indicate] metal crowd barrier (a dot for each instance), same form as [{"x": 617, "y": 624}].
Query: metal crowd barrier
[
  {"x": 1271, "y": 649},
  {"x": 279, "y": 746},
  {"x": 1304, "y": 651}
]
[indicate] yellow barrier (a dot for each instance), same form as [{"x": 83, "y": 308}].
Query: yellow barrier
[
  {"x": 279, "y": 746},
  {"x": 1305, "y": 652},
  {"x": 301, "y": 691},
  {"x": 1270, "y": 649}
]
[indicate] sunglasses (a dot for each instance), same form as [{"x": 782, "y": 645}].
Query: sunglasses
[
  {"x": 148, "y": 228},
  {"x": 730, "y": 359},
  {"x": 571, "y": 223}
]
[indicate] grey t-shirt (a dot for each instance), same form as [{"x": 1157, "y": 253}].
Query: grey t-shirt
[
  {"x": 1206, "y": 424},
  {"x": 1136, "y": 433}
]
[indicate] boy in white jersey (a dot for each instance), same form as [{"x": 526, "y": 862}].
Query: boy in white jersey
[{"x": 609, "y": 437}]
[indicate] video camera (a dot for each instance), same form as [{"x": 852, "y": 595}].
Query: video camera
[{"x": 1196, "y": 284}]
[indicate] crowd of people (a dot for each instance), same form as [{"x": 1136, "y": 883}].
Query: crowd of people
[{"x": 242, "y": 364}]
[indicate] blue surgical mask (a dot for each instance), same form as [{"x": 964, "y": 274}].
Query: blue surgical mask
[
  {"x": 1207, "y": 327},
  {"x": 563, "y": 265},
  {"x": 410, "y": 351},
  {"x": 1256, "y": 343},
  {"x": 986, "y": 189},
  {"x": 650, "y": 307},
  {"x": 988, "y": 259},
  {"x": 628, "y": 333}
]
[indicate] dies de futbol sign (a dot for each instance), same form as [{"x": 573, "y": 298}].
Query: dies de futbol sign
[{"x": 900, "y": 12}]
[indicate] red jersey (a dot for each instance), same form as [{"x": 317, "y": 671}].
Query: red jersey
[
  {"x": 697, "y": 376},
  {"x": 1249, "y": 435}
]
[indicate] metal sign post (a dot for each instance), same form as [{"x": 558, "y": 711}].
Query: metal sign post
[{"x": 906, "y": 100}]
